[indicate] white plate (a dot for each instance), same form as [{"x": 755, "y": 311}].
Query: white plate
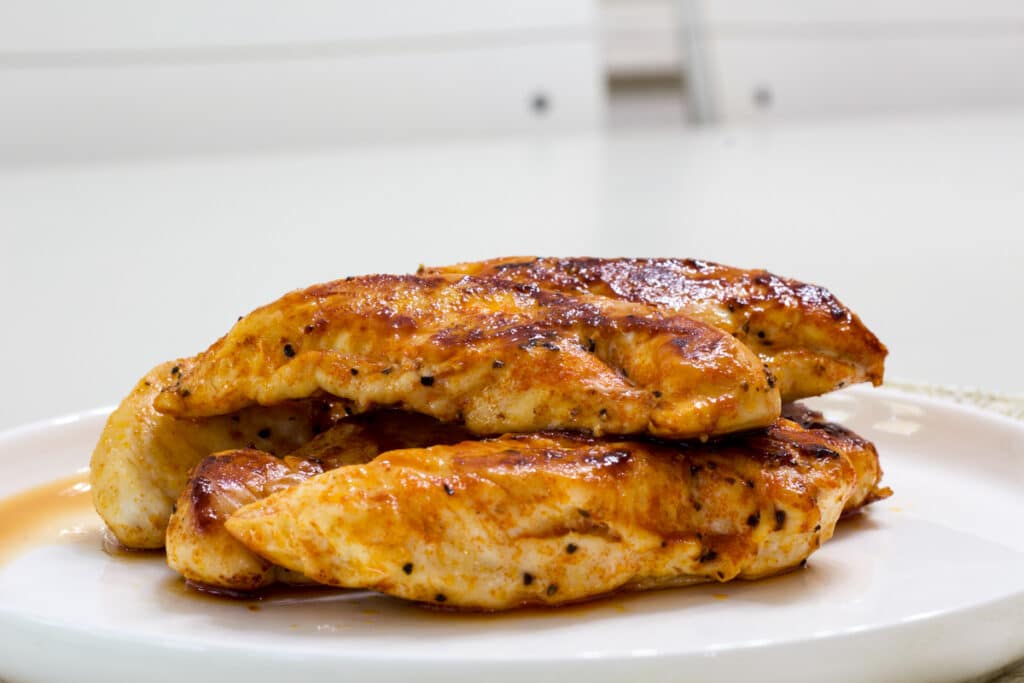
[{"x": 929, "y": 585}]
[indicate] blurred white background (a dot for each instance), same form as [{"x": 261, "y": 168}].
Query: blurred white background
[{"x": 166, "y": 167}]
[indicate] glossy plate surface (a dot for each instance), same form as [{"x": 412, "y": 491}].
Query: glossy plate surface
[{"x": 928, "y": 585}]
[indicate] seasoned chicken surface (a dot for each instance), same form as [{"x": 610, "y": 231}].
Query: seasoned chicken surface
[
  {"x": 201, "y": 550},
  {"x": 143, "y": 458},
  {"x": 862, "y": 454},
  {"x": 553, "y": 518},
  {"x": 811, "y": 342},
  {"x": 496, "y": 356}
]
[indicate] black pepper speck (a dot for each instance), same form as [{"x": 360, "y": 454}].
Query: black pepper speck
[{"x": 780, "y": 519}]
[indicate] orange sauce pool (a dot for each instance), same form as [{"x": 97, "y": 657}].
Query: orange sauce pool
[{"x": 58, "y": 511}]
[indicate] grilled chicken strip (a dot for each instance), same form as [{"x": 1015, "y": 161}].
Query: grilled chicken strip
[
  {"x": 862, "y": 454},
  {"x": 553, "y": 518},
  {"x": 811, "y": 342},
  {"x": 201, "y": 550},
  {"x": 498, "y": 357},
  {"x": 143, "y": 458}
]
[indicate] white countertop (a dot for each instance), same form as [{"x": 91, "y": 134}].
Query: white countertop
[{"x": 918, "y": 224}]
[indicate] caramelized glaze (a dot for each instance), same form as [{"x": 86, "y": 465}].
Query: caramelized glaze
[
  {"x": 492, "y": 355},
  {"x": 809, "y": 340},
  {"x": 553, "y": 518}
]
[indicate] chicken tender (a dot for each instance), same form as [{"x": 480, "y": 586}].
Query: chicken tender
[
  {"x": 554, "y": 518},
  {"x": 867, "y": 489},
  {"x": 201, "y": 550},
  {"x": 810, "y": 341},
  {"x": 143, "y": 458},
  {"x": 496, "y": 356}
]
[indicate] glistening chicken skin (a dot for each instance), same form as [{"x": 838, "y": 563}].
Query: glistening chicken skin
[
  {"x": 495, "y": 356},
  {"x": 201, "y": 550},
  {"x": 199, "y": 547},
  {"x": 809, "y": 340},
  {"x": 555, "y": 518},
  {"x": 143, "y": 458}
]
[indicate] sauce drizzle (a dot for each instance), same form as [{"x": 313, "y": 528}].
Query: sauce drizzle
[{"x": 58, "y": 511}]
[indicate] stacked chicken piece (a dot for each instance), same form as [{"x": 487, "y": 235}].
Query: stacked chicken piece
[{"x": 504, "y": 433}]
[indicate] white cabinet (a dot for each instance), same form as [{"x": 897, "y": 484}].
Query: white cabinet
[
  {"x": 129, "y": 77},
  {"x": 640, "y": 37},
  {"x": 749, "y": 59}
]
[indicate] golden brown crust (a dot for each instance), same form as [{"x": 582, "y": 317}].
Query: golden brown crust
[
  {"x": 553, "y": 518},
  {"x": 143, "y": 458},
  {"x": 862, "y": 454},
  {"x": 810, "y": 340},
  {"x": 201, "y": 550},
  {"x": 498, "y": 356},
  {"x": 218, "y": 486}
]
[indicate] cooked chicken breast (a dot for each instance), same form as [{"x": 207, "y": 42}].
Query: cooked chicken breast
[
  {"x": 496, "y": 356},
  {"x": 811, "y": 342},
  {"x": 553, "y": 518},
  {"x": 867, "y": 489},
  {"x": 143, "y": 458},
  {"x": 201, "y": 550}
]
